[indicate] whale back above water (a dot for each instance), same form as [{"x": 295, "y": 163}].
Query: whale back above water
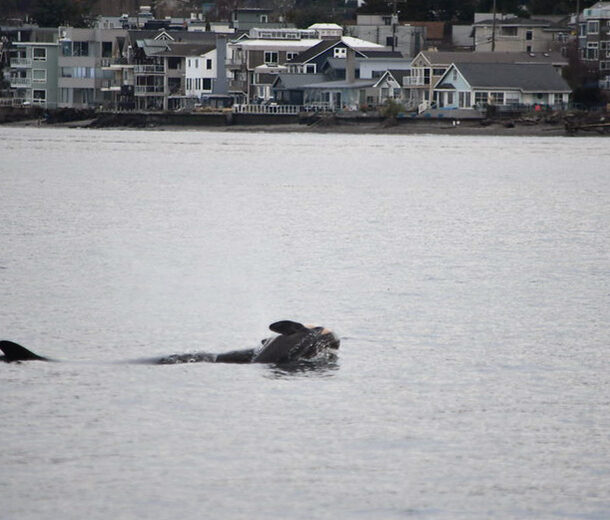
[{"x": 294, "y": 342}]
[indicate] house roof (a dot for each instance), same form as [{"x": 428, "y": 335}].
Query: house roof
[
  {"x": 382, "y": 54},
  {"x": 292, "y": 81},
  {"x": 447, "y": 58},
  {"x": 361, "y": 46},
  {"x": 325, "y": 26},
  {"x": 358, "y": 83},
  {"x": 177, "y": 36},
  {"x": 167, "y": 48},
  {"x": 528, "y": 78}
]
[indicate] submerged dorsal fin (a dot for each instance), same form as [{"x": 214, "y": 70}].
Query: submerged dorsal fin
[
  {"x": 287, "y": 327},
  {"x": 15, "y": 352}
]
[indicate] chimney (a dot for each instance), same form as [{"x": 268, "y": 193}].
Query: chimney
[
  {"x": 350, "y": 65},
  {"x": 221, "y": 85}
]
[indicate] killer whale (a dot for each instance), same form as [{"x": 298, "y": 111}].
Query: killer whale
[{"x": 294, "y": 342}]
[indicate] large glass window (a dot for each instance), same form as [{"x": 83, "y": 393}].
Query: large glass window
[{"x": 80, "y": 48}]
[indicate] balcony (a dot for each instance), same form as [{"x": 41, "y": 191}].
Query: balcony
[
  {"x": 21, "y": 82},
  {"x": 413, "y": 81},
  {"x": 21, "y": 62},
  {"x": 149, "y": 69},
  {"x": 146, "y": 90}
]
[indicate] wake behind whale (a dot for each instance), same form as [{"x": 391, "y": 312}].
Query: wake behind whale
[{"x": 294, "y": 342}]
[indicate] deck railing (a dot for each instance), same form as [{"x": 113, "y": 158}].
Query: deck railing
[
  {"x": 21, "y": 82},
  {"x": 266, "y": 109},
  {"x": 21, "y": 62},
  {"x": 149, "y": 69}
]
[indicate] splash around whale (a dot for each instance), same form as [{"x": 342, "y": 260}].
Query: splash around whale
[{"x": 293, "y": 342}]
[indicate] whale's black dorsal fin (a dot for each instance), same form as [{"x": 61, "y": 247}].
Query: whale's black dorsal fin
[
  {"x": 287, "y": 327},
  {"x": 15, "y": 352}
]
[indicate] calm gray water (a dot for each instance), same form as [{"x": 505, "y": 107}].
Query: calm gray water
[{"x": 468, "y": 278}]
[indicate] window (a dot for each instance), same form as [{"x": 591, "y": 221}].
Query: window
[
  {"x": 592, "y": 51},
  {"x": 508, "y": 31},
  {"x": 454, "y": 76},
  {"x": 39, "y": 54},
  {"x": 593, "y": 27},
  {"x": 464, "y": 99},
  {"x": 39, "y": 96},
  {"x": 387, "y": 20},
  {"x": 339, "y": 52},
  {"x": 497, "y": 98},
  {"x": 206, "y": 84},
  {"x": 39, "y": 75},
  {"x": 208, "y": 64},
  {"x": 310, "y": 68},
  {"x": 106, "y": 49},
  {"x": 438, "y": 72},
  {"x": 291, "y": 55},
  {"x": 480, "y": 98},
  {"x": 271, "y": 57},
  {"x": 80, "y": 48},
  {"x": 582, "y": 30},
  {"x": 450, "y": 98},
  {"x": 529, "y": 35},
  {"x": 390, "y": 41},
  {"x": 264, "y": 18},
  {"x": 528, "y": 48}
]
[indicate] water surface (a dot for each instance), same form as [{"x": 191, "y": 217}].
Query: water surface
[{"x": 467, "y": 276}]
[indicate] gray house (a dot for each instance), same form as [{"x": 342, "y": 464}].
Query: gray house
[
  {"x": 33, "y": 74},
  {"x": 475, "y": 85},
  {"x": 83, "y": 53}
]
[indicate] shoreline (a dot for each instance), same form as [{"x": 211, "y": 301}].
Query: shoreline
[{"x": 467, "y": 128}]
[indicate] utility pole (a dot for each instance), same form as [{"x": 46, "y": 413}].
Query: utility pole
[
  {"x": 394, "y": 22},
  {"x": 493, "y": 29}
]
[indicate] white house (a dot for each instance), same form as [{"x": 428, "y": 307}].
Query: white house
[{"x": 206, "y": 72}]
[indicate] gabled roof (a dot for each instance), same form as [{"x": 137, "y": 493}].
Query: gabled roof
[
  {"x": 527, "y": 78},
  {"x": 362, "y": 48},
  {"x": 396, "y": 75}
]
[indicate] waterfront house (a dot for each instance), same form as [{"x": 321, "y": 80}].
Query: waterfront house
[
  {"x": 476, "y": 85},
  {"x": 84, "y": 55},
  {"x": 390, "y": 88},
  {"x": 594, "y": 41},
  {"x": 272, "y": 48},
  {"x": 429, "y": 66},
  {"x": 288, "y": 88},
  {"x": 33, "y": 69},
  {"x": 205, "y": 73}
]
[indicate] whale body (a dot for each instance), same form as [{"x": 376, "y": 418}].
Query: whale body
[{"x": 293, "y": 342}]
